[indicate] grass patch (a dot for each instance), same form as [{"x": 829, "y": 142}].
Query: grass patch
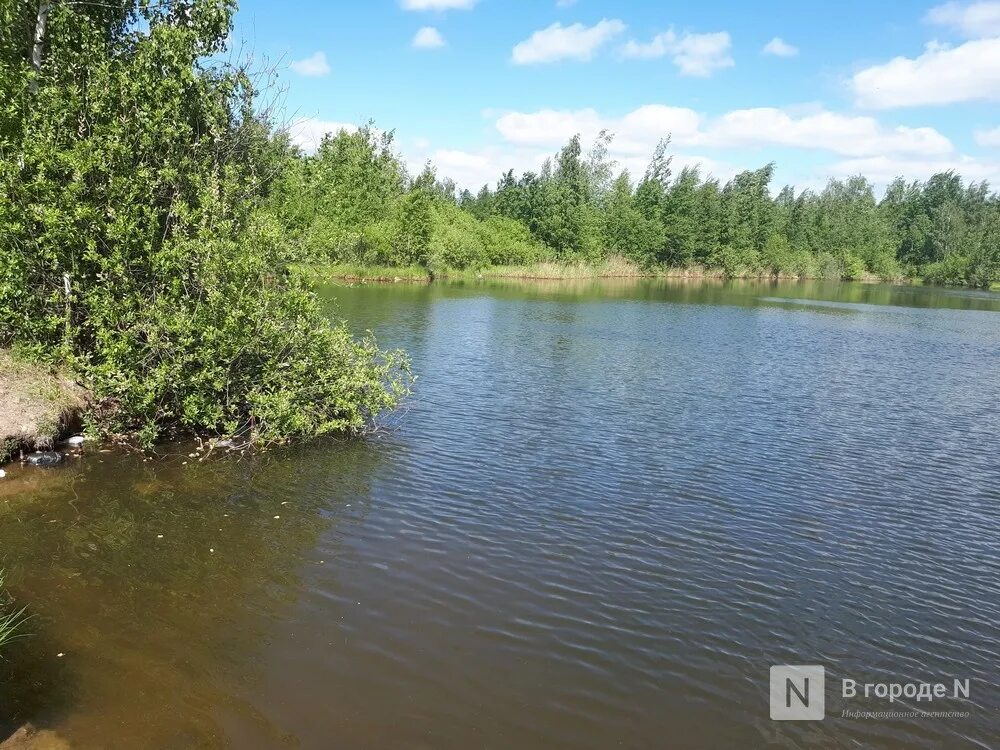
[
  {"x": 613, "y": 267},
  {"x": 364, "y": 273},
  {"x": 37, "y": 404},
  {"x": 11, "y": 618}
]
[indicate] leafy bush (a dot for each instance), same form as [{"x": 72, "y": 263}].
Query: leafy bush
[
  {"x": 460, "y": 241},
  {"x": 508, "y": 242},
  {"x": 853, "y": 266},
  {"x": 954, "y": 269}
]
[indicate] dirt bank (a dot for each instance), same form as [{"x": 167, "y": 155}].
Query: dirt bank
[{"x": 37, "y": 405}]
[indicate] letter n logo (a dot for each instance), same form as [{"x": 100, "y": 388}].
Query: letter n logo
[{"x": 798, "y": 692}]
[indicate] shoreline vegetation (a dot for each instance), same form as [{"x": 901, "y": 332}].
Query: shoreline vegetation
[
  {"x": 612, "y": 268},
  {"x": 353, "y": 206}
]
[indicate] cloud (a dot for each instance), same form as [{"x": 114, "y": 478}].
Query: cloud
[
  {"x": 314, "y": 65},
  {"x": 988, "y": 137},
  {"x": 307, "y": 132},
  {"x": 558, "y": 42},
  {"x": 694, "y": 54},
  {"x": 638, "y": 131},
  {"x": 826, "y": 131},
  {"x": 883, "y": 169},
  {"x": 428, "y": 38},
  {"x": 778, "y": 47},
  {"x": 976, "y": 20},
  {"x": 565, "y": 3},
  {"x": 941, "y": 75},
  {"x": 437, "y": 4},
  {"x": 473, "y": 169}
]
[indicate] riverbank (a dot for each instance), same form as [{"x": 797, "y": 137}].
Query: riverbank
[
  {"x": 612, "y": 268},
  {"x": 37, "y": 405}
]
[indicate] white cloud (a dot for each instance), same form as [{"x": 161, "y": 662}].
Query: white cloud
[
  {"x": 547, "y": 126},
  {"x": 565, "y": 3},
  {"x": 473, "y": 169},
  {"x": 976, "y": 20},
  {"x": 941, "y": 75},
  {"x": 827, "y": 131},
  {"x": 883, "y": 169},
  {"x": 307, "y": 132},
  {"x": 695, "y": 54},
  {"x": 638, "y": 131},
  {"x": 988, "y": 137},
  {"x": 428, "y": 38},
  {"x": 314, "y": 65},
  {"x": 778, "y": 47},
  {"x": 558, "y": 42},
  {"x": 437, "y": 4},
  {"x": 469, "y": 169}
]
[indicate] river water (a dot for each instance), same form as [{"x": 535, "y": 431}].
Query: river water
[{"x": 606, "y": 512}]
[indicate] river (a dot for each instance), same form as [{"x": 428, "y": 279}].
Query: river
[{"x": 606, "y": 511}]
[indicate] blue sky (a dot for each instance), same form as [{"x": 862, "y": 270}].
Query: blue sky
[{"x": 479, "y": 86}]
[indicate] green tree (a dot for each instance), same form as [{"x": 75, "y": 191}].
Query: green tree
[
  {"x": 626, "y": 231},
  {"x": 680, "y": 217},
  {"x": 135, "y": 242},
  {"x": 416, "y": 221}
]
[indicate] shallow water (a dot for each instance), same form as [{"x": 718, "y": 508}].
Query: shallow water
[{"x": 608, "y": 509}]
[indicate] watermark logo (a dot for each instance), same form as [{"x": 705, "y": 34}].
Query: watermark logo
[{"x": 798, "y": 692}]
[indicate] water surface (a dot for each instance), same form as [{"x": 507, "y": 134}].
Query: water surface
[{"x": 608, "y": 509}]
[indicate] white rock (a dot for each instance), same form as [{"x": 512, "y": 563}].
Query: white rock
[
  {"x": 76, "y": 440},
  {"x": 2, "y": 473}
]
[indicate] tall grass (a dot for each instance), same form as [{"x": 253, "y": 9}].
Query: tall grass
[{"x": 11, "y": 619}]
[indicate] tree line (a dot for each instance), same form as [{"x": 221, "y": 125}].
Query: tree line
[{"x": 352, "y": 202}]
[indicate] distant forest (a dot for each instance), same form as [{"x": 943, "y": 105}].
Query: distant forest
[{"x": 352, "y": 202}]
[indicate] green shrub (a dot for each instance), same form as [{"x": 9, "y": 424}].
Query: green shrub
[
  {"x": 250, "y": 352},
  {"x": 853, "y": 267},
  {"x": 954, "y": 269},
  {"x": 507, "y": 242}
]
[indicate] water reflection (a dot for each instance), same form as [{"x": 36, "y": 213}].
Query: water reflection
[
  {"x": 677, "y": 290},
  {"x": 159, "y": 581}
]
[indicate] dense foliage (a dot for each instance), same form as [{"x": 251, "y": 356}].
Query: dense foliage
[
  {"x": 134, "y": 243},
  {"x": 352, "y": 202},
  {"x": 942, "y": 229}
]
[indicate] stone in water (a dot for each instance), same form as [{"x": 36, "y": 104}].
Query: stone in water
[{"x": 45, "y": 458}]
